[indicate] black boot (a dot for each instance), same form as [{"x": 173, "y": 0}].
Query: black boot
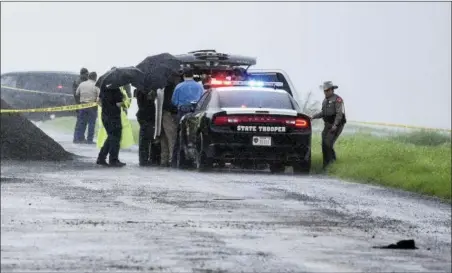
[
  {"x": 145, "y": 163},
  {"x": 102, "y": 162},
  {"x": 117, "y": 164}
]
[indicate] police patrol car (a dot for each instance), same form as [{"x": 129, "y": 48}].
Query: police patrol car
[
  {"x": 216, "y": 64},
  {"x": 242, "y": 121}
]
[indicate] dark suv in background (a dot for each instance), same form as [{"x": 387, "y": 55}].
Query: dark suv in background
[{"x": 39, "y": 89}]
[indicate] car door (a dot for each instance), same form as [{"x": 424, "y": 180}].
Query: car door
[
  {"x": 65, "y": 83},
  {"x": 37, "y": 81},
  {"x": 8, "y": 94},
  {"x": 193, "y": 118}
]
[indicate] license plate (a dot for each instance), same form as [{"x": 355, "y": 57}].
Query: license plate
[{"x": 262, "y": 141}]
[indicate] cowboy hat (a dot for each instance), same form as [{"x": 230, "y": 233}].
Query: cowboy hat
[{"x": 328, "y": 85}]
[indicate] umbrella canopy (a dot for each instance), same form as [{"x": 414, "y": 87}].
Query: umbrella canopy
[
  {"x": 149, "y": 64},
  {"x": 160, "y": 77},
  {"x": 121, "y": 76},
  {"x": 158, "y": 69}
]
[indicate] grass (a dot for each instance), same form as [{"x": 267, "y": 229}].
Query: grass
[
  {"x": 414, "y": 162},
  {"x": 424, "y": 138},
  {"x": 419, "y": 161}
]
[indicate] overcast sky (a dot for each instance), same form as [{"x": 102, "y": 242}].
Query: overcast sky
[{"x": 392, "y": 61}]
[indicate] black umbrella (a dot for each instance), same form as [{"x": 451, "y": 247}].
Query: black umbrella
[
  {"x": 149, "y": 64},
  {"x": 160, "y": 77},
  {"x": 158, "y": 69},
  {"x": 121, "y": 76}
]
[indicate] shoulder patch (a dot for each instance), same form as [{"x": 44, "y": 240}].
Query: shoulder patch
[{"x": 339, "y": 99}]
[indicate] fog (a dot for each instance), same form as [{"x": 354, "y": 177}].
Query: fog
[{"x": 392, "y": 61}]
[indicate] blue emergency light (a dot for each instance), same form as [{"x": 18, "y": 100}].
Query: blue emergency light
[{"x": 256, "y": 83}]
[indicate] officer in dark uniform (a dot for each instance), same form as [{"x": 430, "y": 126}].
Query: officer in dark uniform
[
  {"x": 127, "y": 88},
  {"x": 148, "y": 149},
  {"x": 111, "y": 101},
  {"x": 333, "y": 114},
  {"x": 83, "y": 77}
]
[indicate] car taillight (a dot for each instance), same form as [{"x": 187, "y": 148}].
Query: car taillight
[
  {"x": 224, "y": 120},
  {"x": 292, "y": 122},
  {"x": 299, "y": 123}
]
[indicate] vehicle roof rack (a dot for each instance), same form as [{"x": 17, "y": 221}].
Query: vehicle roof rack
[
  {"x": 210, "y": 59},
  {"x": 203, "y": 50}
]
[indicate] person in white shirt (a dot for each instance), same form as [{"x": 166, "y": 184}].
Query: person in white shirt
[{"x": 88, "y": 92}]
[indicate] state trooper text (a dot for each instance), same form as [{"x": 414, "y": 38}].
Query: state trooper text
[{"x": 242, "y": 128}]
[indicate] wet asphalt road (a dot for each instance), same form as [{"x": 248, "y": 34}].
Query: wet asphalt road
[{"x": 77, "y": 216}]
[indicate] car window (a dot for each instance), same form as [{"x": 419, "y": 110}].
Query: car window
[
  {"x": 270, "y": 77},
  {"x": 255, "y": 99},
  {"x": 67, "y": 80},
  {"x": 47, "y": 82},
  {"x": 9, "y": 80},
  {"x": 201, "y": 101},
  {"x": 38, "y": 82}
]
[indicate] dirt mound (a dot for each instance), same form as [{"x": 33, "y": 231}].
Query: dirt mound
[
  {"x": 22, "y": 140},
  {"x": 404, "y": 244}
]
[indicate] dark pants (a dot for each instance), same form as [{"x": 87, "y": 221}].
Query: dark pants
[
  {"x": 112, "y": 143},
  {"x": 85, "y": 117},
  {"x": 328, "y": 140},
  {"x": 148, "y": 151},
  {"x": 182, "y": 111}
]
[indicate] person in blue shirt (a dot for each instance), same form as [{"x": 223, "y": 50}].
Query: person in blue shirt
[{"x": 185, "y": 92}]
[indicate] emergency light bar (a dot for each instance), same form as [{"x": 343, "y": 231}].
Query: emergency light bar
[{"x": 215, "y": 82}]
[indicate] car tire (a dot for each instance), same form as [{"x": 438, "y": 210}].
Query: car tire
[
  {"x": 302, "y": 166},
  {"x": 221, "y": 164},
  {"x": 202, "y": 162},
  {"x": 246, "y": 165},
  {"x": 181, "y": 160},
  {"x": 277, "y": 168}
]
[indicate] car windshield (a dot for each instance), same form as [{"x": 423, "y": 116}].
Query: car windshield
[
  {"x": 47, "y": 82},
  {"x": 254, "y": 99}
]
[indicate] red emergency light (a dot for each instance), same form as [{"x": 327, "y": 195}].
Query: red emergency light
[
  {"x": 215, "y": 82},
  {"x": 218, "y": 82}
]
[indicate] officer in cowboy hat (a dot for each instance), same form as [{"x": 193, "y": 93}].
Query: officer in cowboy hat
[{"x": 333, "y": 115}]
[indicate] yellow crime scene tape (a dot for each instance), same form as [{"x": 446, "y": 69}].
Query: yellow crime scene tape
[
  {"x": 51, "y": 109},
  {"x": 46, "y": 109},
  {"x": 88, "y": 105}
]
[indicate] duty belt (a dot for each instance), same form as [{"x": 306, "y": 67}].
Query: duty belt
[{"x": 185, "y": 108}]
